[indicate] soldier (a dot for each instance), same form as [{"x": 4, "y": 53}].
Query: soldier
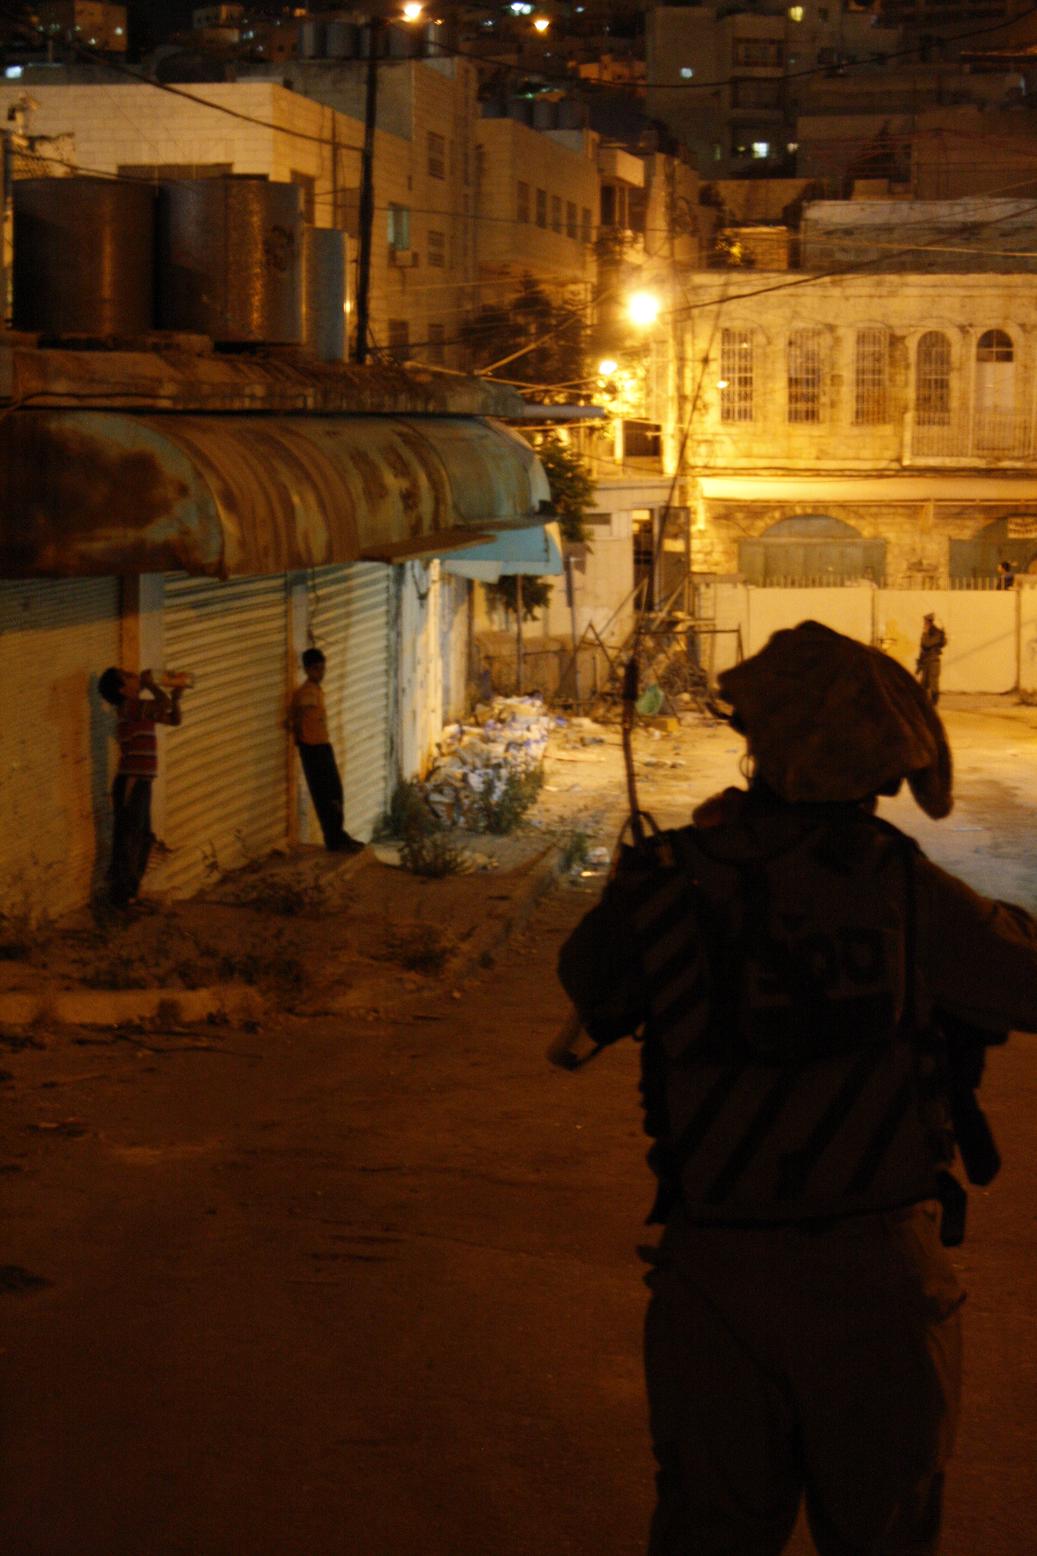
[
  {"x": 927, "y": 667},
  {"x": 783, "y": 960}
]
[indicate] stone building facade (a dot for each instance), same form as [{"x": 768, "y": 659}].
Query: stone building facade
[{"x": 861, "y": 426}]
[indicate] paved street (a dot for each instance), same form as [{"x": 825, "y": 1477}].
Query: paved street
[{"x": 345, "y": 1286}]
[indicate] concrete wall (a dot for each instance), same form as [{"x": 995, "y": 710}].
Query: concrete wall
[
  {"x": 991, "y": 636},
  {"x": 508, "y": 153}
]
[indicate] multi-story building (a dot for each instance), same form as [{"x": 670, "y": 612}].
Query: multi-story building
[
  {"x": 93, "y": 23},
  {"x": 727, "y": 81}
]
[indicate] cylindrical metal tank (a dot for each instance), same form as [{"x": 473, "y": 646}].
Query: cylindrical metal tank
[
  {"x": 230, "y": 260},
  {"x": 325, "y": 293},
  {"x": 84, "y": 256}
]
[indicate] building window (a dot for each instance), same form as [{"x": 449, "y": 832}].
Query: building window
[
  {"x": 585, "y": 225},
  {"x": 522, "y": 201},
  {"x": 436, "y": 340},
  {"x": 736, "y": 375},
  {"x": 933, "y": 380},
  {"x": 307, "y": 183},
  {"x": 871, "y": 377},
  {"x": 759, "y": 52},
  {"x": 570, "y": 219},
  {"x": 398, "y": 219},
  {"x": 399, "y": 339},
  {"x": 437, "y": 249},
  {"x": 994, "y": 346},
  {"x": 804, "y": 375},
  {"x": 541, "y": 207},
  {"x": 436, "y": 155},
  {"x": 556, "y": 213}
]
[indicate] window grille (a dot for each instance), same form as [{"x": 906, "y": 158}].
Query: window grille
[
  {"x": 436, "y": 155},
  {"x": 736, "y": 375},
  {"x": 399, "y": 339},
  {"x": 437, "y": 249},
  {"x": 933, "y": 380},
  {"x": 871, "y": 377},
  {"x": 804, "y": 375}
]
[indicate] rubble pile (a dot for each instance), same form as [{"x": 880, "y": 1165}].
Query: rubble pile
[{"x": 505, "y": 739}]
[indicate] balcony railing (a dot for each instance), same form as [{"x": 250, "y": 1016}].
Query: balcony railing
[{"x": 988, "y": 435}]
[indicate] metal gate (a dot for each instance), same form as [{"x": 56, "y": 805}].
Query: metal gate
[
  {"x": 226, "y": 767},
  {"x": 57, "y": 748},
  {"x": 350, "y": 619}
]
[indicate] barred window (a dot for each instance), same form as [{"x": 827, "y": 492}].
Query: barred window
[
  {"x": 522, "y": 200},
  {"x": 541, "y": 207},
  {"x": 804, "y": 375},
  {"x": 570, "y": 219},
  {"x": 933, "y": 380},
  {"x": 437, "y": 248},
  {"x": 759, "y": 51},
  {"x": 871, "y": 377},
  {"x": 436, "y": 155},
  {"x": 556, "y": 213},
  {"x": 736, "y": 375}
]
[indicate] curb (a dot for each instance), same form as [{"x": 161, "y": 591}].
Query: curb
[
  {"x": 541, "y": 875},
  {"x": 117, "y": 1007}
]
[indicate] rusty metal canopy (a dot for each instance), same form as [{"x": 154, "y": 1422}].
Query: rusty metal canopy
[{"x": 103, "y": 492}]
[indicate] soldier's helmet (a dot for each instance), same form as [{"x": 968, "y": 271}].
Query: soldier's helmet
[{"x": 829, "y": 719}]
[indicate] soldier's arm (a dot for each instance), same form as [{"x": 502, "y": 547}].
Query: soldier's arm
[{"x": 980, "y": 955}]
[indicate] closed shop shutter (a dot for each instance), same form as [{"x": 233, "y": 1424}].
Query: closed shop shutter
[
  {"x": 57, "y": 746},
  {"x": 226, "y": 785},
  {"x": 351, "y": 617}
]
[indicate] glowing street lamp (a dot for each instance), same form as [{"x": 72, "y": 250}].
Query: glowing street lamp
[
  {"x": 412, "y": 11},
  {"x": 607, "y": 366},
  {"x": 541, "y": 23},
  {"x": 643, "y": 308}
]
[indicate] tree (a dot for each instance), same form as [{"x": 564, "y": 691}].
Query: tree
[
  {"x": 555, "y": 366},
  {"x": 572, "y": 491}
]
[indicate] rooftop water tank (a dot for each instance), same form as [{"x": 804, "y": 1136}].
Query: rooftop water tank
[
  {"x": 230, "y": 260},
  {"x": 83, "y": 256}
]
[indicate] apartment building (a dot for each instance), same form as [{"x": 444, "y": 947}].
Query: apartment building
[{"x": 93, "y": 23}]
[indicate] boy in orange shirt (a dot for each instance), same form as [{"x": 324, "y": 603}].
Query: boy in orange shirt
[{"x": 309, "y": 725}]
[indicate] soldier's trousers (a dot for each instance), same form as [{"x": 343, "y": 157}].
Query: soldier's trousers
[{"x": 789, "y": 1364}]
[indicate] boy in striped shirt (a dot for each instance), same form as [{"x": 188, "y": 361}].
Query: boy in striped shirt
[{"x": 138, "y": 763}]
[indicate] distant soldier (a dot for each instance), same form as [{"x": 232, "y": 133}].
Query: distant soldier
[
  {"x": 1006, "y": 575},
  {"x": 930, "y": 647}
]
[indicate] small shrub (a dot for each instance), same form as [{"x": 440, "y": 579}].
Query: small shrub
[
  {"x": 501, "y": 813},
  {"x": 408, "y": 811},
  {"x": 575, "y": 851},
  {"x": 432, "y": 852}
]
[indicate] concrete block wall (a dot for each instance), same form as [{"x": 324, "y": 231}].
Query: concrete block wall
[{"x": 991, "y": 635}]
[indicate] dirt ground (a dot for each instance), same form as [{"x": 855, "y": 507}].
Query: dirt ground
[{"x": 360, "y": 1278}]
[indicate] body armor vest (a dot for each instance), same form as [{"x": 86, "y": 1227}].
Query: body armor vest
[{"x": 787, "y": 1072}]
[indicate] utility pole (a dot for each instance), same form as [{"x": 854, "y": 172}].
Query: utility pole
[{"x": 366, "y": 214}]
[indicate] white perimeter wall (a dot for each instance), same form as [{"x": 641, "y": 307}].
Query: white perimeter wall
[{"x": 991, "y": 635}]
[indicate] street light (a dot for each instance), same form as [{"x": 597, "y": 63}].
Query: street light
[
  {"x": 412, "y": 11},
  {"x": 541, "y": 23},
  {"x": 643, "y": 308}
]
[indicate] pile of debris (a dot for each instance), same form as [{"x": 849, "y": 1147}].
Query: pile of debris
[{"x": 478, "y": 762}]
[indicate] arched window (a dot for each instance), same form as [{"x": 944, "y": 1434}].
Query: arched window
[
  {"x": 736, "y": 375},
  {"x": 933, "y": 380},
  {"x": 811, "y": 549},
  {"x": 995, "y": 425},
  {"x": 871, "y": 377}
]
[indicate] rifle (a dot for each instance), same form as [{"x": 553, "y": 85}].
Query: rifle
[{"x": 572, "y": 1048}]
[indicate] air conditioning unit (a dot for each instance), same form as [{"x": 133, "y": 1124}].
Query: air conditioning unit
[{"x": 403, "y": 259}]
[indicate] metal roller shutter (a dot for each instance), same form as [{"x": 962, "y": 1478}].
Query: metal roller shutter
[
  {"x": 351, "y": 614},
  {"x": 57, "y": 747},
  {"x": 227, "y": 765}
]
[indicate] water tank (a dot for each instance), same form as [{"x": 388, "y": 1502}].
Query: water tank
[
  {"x": 230, "y": 260},
  {"x": 325, "y": 281},
  {"x": 83, "y": 256}
]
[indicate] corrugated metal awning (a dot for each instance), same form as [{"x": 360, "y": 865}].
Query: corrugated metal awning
[
  {"x": 107, "y": 492},
  {"x": 535, "y": 551}
]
